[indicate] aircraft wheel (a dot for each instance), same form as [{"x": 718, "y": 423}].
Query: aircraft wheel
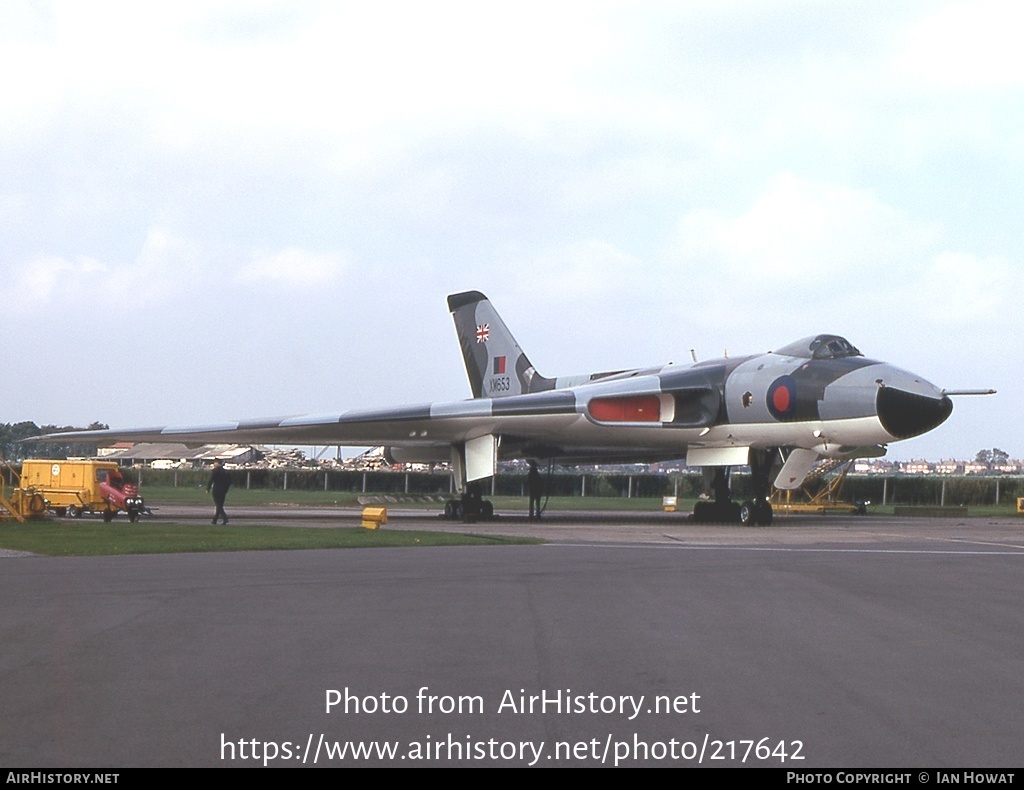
[
  {"x": 133, "y": 516},
  {"x": 458, "y": 512},
  {"x": 487, "y": 510},
  {"x": 749, "y": 514},
  {"x": 763, "y": 513},
  {"x": 701, "y": 514},
  {"x": 73, "y": 511},
  {"x": 449, "y": 510},
  {"x": 108, "y": 515}
]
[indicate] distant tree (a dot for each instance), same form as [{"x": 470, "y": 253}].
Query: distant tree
[
  {"x": 11, "y": 435},
  {"x": 984, "y": 457},
  {"x": 12, "y": 448}
]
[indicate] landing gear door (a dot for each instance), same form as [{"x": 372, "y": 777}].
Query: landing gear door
[
  {"x": 459, "y": 468},
  {"x": 796, "y": 468},
  {"x": 481, "y": 457}
]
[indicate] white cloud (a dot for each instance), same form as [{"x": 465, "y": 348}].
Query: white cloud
[
  {"x": 57, "y": 286},
  {"x": 797, "y": 227},
  {"x": 166, "y": 264},
  {"x": 807, "y": 251},
  {"x": 971, "y": 45},
  {"x": 292, "y": 267},
  {"x": 962, "y": 289},
  {"x": 586, "y": 271},
  {"x": 44, "y": 279},
  {"x": 351, "y": 73},
  {"x": 169, "y": 274}
]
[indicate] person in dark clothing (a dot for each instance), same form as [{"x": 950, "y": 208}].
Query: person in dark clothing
[
  {"x": 535, "y": 487},
  {"x": 220, "y": 482}
]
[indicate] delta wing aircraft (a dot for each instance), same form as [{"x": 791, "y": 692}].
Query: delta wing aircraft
[{"x": 778, "y": 413}]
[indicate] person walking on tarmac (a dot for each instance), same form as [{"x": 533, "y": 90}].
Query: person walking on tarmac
[
  {"x": 220, "y": 482},
  {"x": 535, "y": 488}
]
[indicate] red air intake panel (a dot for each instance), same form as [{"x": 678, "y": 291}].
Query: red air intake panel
[{"x": 629, "y": 408}]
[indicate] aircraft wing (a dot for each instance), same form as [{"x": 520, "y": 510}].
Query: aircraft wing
[
  {"x": 428, "y": 424},
  {"x": 580, "y": 425}
]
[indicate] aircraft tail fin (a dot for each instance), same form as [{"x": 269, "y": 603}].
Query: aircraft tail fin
[{"x": 496, "y": 365}]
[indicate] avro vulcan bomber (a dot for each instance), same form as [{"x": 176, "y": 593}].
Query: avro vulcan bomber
[{"x": 778, "y": 413}]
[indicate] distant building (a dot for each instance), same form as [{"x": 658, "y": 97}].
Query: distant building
[{"x": 165, "y": 455}]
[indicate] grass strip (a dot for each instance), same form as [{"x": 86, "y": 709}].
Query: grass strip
[{"x": 66, "y": 539}]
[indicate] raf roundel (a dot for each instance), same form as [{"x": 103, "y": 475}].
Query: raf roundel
[{"x": 781, "y": 398}]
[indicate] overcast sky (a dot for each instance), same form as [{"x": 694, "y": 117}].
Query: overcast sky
[{"x": 226, "y": 209}]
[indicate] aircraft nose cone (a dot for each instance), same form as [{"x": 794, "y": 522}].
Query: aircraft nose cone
[{"x": 906, "y": 414}]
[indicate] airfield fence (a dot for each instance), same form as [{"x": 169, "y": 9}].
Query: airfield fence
[{"x": 878, "y": 489}]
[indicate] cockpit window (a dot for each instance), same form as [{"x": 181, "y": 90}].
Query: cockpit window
[{"x": 821, "y": 347}]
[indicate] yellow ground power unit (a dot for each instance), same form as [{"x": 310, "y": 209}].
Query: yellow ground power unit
[{"x": 71, "y": 488}]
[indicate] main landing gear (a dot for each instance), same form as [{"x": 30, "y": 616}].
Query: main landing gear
[
  {"x": 469, "y": 507},
  {"x": 756, "y": 511}
]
